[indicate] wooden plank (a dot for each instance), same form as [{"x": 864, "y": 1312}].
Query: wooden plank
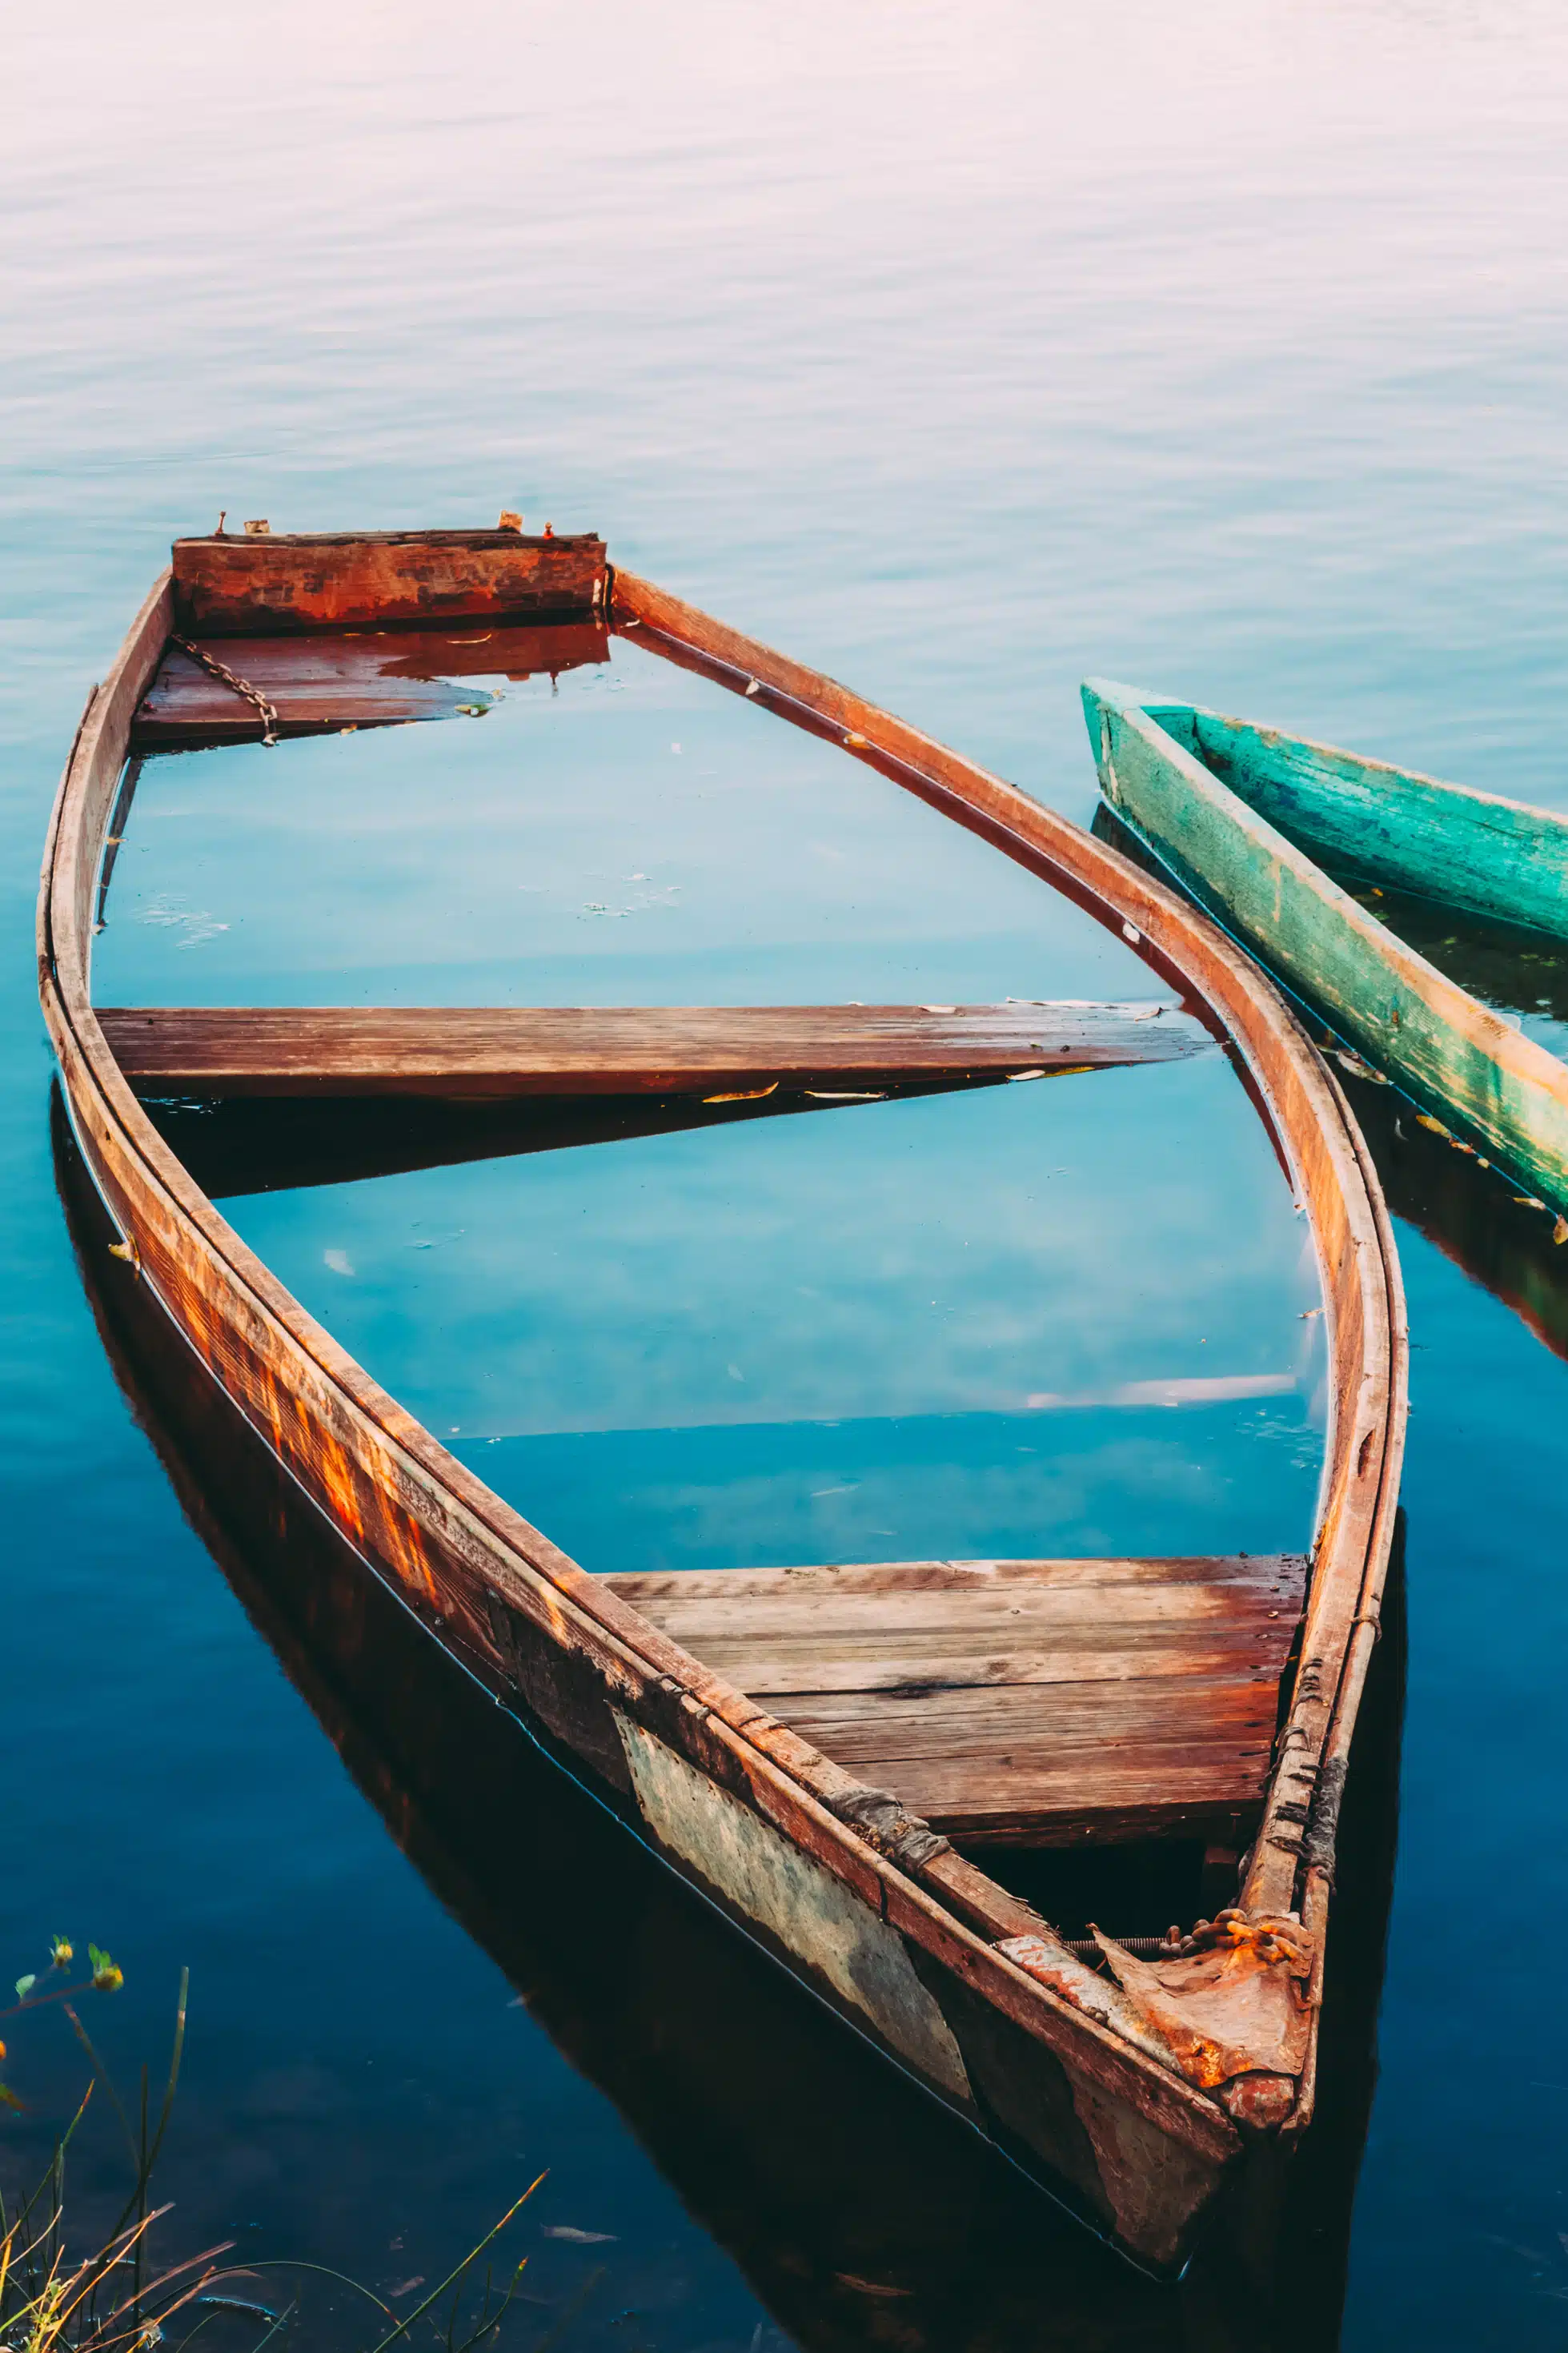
[
  {"x": 375, "y": 679},
  {"x": 271, "y": 1144},
  {"x": 1039, "y": 1584},
  {"x": 639, "y": 1050},
  {"x": 1022, "y": 1702},
  {"x": 1454, "y": 1054},
  {"x": 235, "y": 586}
]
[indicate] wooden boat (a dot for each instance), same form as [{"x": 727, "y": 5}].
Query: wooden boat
[
  {"x": 826, "y": 2176},
  {"x": 1244, "y": 815},
  {"x": 1136, "y": 2080}
]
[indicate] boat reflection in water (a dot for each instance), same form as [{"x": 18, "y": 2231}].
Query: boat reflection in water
[{"x": 860, "y": 2212}]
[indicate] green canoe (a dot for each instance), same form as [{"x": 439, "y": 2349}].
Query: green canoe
[{"x": 1240, "y": 813}]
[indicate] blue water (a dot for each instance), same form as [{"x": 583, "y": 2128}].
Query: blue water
[{"x": 958, "y": 352}]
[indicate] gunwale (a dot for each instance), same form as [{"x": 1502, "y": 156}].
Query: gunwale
[{"x": 465, "y": 1561}]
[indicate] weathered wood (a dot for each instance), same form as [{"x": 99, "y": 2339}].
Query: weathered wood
[
  {"x": 652, "y": 1049},
  {"x": 1455, "y": 1055},
  {"x": 1442, "y": 841},
  {"x": 237, "y": 586},
  {"x": 1034, "y": 1702},
  {"x": 1146, "y": 2147},
  {"x": 325, "y": 684}
]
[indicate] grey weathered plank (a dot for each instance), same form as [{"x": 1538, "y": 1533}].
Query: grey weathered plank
[{"x": 653, "y": 1050}]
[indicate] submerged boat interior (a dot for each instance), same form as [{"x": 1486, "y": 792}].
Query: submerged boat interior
[{"x": 1102, "y": 1730}]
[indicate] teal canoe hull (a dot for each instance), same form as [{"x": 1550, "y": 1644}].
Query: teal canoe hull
[{"x": 1240, "y": 813}]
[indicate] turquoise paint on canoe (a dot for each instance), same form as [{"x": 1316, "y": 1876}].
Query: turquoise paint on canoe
[{"x": 1235, "y": 811}]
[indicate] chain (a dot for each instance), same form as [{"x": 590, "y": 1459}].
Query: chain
[{"x": 241, "y": 685}]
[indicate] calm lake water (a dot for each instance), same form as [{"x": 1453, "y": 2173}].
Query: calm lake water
[{"x": 960, "y": 352}]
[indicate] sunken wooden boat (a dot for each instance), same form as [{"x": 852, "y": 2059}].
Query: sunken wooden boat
[
  {"x": 832, "y": 2182},
  {"x": 1221, "y": 1695},
  {"x": 1248, "y": 818}
]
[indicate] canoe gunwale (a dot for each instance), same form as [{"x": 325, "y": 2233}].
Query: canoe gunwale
[
  {"x": 1472, "y": 1037},
  {"x": 364, "y": 1459}
]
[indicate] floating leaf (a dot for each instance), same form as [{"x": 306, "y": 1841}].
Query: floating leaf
[
  {"x": 1560, "y": 1230},
  {"x": 24, "y": 1985},
  {"x": 577, "y": 2238},
  {"x": 1425, "y": 1119}
]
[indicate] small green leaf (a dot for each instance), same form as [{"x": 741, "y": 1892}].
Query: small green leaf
[{"x": 24, "y": 1987}]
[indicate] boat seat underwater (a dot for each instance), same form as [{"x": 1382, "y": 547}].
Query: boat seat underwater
[
  {"x": 860, "y": 1762},
  {"x": 1017, "y": 1703}
]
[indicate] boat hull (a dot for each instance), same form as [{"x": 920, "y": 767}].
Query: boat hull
[{"x": 1158, "y": 770}]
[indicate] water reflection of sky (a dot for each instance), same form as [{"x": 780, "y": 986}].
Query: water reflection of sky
[
  {"x": 980, "y": 1265},
  {"x": 962, "y": 350}
]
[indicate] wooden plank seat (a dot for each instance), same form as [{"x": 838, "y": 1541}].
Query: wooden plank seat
[
  {"x": 1027, "y": 1703},
  {"x": 323, "y": 683},
  {"x": 657, "y": 1050}
]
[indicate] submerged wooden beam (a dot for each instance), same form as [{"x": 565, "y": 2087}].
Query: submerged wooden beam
[
  {"x": 242, "y": 585},
  {"x": 1015, "y": 1702},
  {"x": 638, "y": 1049},
  {"x": 371, "y": 678}
]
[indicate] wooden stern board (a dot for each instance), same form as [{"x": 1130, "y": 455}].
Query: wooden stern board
[
  {"x": 1021, "y": 1702},
  {"x": 237, "y": 586},
  {"x": 654, "y": 1049},
  {"x": 326, "y": 683}
]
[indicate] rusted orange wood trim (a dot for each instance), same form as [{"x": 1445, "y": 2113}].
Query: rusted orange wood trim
[{"x": 240, "y": 587}]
